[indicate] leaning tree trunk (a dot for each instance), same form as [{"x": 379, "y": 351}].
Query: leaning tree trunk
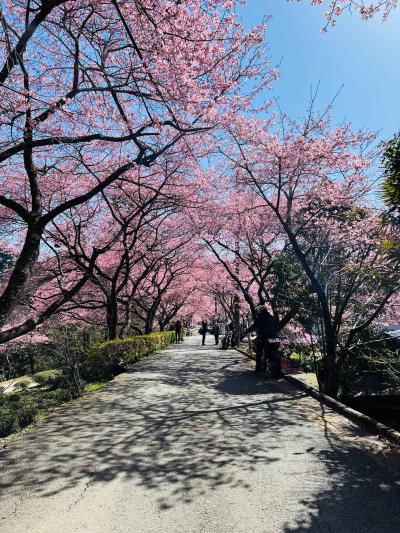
[{"x": 21, "y": 272}]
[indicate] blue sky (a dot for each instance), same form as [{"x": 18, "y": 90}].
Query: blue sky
[{"x": 364, "y": 56}]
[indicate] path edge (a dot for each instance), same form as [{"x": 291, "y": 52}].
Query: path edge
[{"x": 385, "y": 431}]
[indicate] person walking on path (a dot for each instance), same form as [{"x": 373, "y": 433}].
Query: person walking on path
[
  {"x": 231, "y": 335},
  {"x": 178, "y": 331},
  {"x": 216, "y": 333},
  {"x": 203, "y": 330},
  {"x": 267, "y": 332}
]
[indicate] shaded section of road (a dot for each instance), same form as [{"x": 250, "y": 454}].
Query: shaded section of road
[{"x": 193, "y": 442}]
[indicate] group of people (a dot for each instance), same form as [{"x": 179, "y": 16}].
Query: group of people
[
  {"x": 217, "y": 329},
  {"x": 267, "y": 341}
]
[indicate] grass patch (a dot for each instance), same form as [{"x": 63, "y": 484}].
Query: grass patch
[{"x": 91, "y": 387}]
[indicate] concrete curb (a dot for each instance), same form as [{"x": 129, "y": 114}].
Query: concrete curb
[{"x": 372, "y": 424}]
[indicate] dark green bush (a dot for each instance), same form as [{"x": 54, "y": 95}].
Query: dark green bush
[
  {"x": 372, "y": 365},
  {"x": 8, "y": 423},
  {"x": 295, "y": 359},
  {"x": 59, "y": 395},
  {"x": 14, "y": 397},
  {"x": 26, "y": 414},
  {"x": 107, "y": 359},
  {"x": 49, "y": 378},
  {"x": 18, "y": 410},
  {"x": 305, "y": 361}
]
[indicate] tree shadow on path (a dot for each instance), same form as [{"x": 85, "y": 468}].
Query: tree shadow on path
[
  {"x": 183, "y": 425},
  {"x": 189, "y": 421},
  {"x": 361, "y": 495}
]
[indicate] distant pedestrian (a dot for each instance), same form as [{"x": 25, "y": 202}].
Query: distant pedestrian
[
  {"x": 216, "y": 333},
  {"x": 231, "y": 333},
  {"x": 203, "y": 329},
  {"x": 178, "y": 331}
]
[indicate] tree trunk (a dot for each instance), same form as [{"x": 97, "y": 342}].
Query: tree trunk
[
  {"x": 329, "y": 373},
  {"x": 112, "y": 317},
  {"x": 20, "y": 273},
  {"x": 124, "y": 329},
  {"x": 151, "y": 317},
  {"x": 148, "y": 326}
]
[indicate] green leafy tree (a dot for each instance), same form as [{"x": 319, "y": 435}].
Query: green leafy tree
[{"x": 391, "y": 163}]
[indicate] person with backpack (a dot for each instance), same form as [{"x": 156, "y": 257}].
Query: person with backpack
[
  {"x": 203, "y": 331},
  {"x": 267, "y": 332}
]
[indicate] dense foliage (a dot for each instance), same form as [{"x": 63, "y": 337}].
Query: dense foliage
[{"x": 391, "y": 184}]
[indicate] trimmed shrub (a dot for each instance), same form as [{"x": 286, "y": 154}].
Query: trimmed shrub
[
  {"x": 107, "y": 359},
  {"x": 8, "y": 423},
  {"x": 49, "y": 378}
]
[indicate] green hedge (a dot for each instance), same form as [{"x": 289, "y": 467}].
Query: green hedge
[{"x": 106, "y": 359}]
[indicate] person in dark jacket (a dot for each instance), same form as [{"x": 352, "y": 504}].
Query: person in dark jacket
[
  {"x": 216, "y": 333},
  {"x": 267, "y": 332},
  {"x": 231, "y": 335},
  {"x": 178, "y": 331},
  {"x": 204, "y": 328}
]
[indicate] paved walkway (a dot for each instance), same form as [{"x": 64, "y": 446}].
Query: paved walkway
[{"x": 194, "y": 442}]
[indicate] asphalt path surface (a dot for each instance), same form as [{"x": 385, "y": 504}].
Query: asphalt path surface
[{"x": 192, "y": 441}]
